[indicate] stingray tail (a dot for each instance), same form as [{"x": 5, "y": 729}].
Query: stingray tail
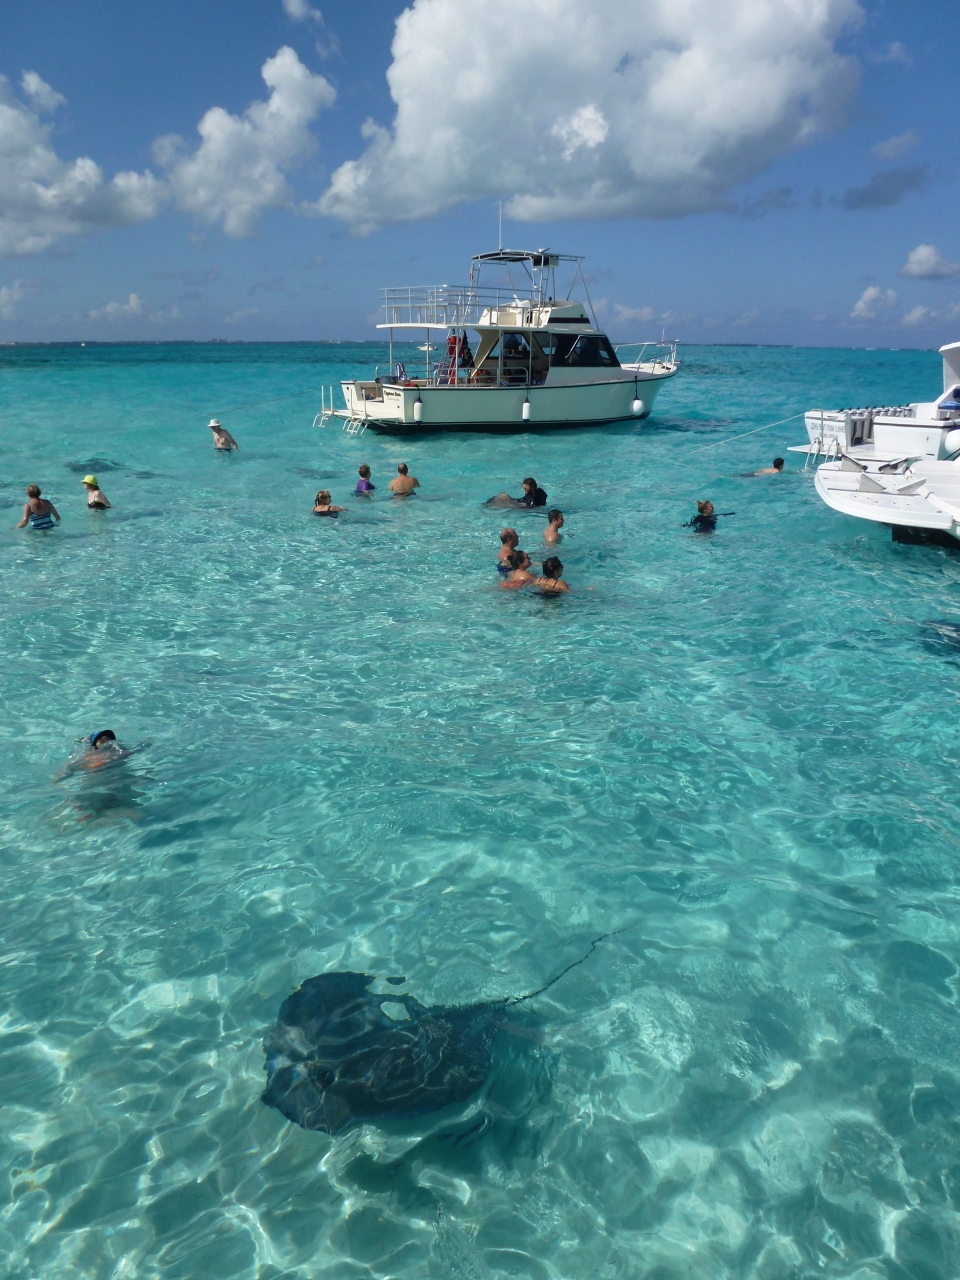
[{"x": 563, "y": 972}]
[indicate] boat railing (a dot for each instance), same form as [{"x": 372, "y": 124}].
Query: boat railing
[
  {"x": 668, "y": 348},
  {"x": 450, "y": 306}
]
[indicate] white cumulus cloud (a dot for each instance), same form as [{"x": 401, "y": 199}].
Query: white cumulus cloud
[
  {"x": 897, "y": 146},
  {"x": 585, "y": 128},
  {"x": 872, "y": 300},
  {"x": 238, "y": 171},
  {"x": 916, "y": 315},
  {"x": 165, "y": 315},
  {"x": 40, "y": 93},
  {"x": 624, "y": 315},
  {"x": 10, "y": 295},
  {"x": 115, "y": 311},
  {"x": 44, "y": 198},
  {"x": 926, "y": 262},
  {"x": 647, "y": 107},
  {"x": 301, "y": 11}
]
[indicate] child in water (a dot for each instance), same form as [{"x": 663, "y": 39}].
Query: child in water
[
  {"x": 363, "y": 484},
  {"x": 554, "y": 525}
]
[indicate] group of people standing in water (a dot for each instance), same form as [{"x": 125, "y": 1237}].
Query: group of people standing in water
[{"x": 513, "y": 564}]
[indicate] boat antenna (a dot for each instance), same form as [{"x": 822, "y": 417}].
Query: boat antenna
[{"x": 501, "y": 225}]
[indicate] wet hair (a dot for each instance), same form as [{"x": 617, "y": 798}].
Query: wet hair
[
  {"x": 402, "y": 468},
  {"x": 702, "y": 506},
  {"x": 778, "y": 463},
  {"x": 552, "y": 568},
  {"x": 554, "y": 515},
  {"x": 33, "y": 491},
  {"x": 364, "y": 471},
  {"x": 517, "y": 559},
  {"x": 531, "y": 482},
  {"x": 322, "y": 499}
]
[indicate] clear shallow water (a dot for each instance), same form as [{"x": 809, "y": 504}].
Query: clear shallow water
[{"x": 740, "y": 751}]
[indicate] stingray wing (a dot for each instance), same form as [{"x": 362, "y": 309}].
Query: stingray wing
[{"x": 335, "y": 1059}]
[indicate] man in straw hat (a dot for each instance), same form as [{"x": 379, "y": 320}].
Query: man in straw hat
[{"x": 222, "y": 439}]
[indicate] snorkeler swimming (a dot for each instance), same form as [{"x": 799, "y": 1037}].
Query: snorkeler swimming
[{"x": 102, "y": 748}]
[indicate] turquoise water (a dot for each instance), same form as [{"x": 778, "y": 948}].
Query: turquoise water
[{"x": 740, "y": 751}]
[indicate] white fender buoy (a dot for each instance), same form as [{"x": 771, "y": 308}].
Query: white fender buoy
[
  {"x": 637, "y": 406},
  {"x": 525, "y": 411},
  {"x": 418, "y": 410}
]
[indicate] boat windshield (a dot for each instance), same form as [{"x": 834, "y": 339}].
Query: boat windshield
[{"x": 581, "y": 351}]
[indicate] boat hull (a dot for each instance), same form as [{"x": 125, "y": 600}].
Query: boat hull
[
  {"x": 924, "y": 497},
  {"x": 413, "y": 410}
]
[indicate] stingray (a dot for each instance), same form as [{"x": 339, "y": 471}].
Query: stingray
[
  {"x": 340, "y": 1055},
  {"x": 94, "y": 465},
  {"x": 941, "y": 636}
]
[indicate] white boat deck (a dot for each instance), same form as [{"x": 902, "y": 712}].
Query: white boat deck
[{"x": 899, "y": 465}]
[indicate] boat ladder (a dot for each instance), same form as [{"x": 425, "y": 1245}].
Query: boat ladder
[{"x": 326, "y": 410}]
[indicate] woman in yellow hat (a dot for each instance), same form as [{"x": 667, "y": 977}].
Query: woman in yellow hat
[{"x": 96, "y": 498}]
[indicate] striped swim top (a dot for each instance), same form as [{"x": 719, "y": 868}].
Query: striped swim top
[{"x": 42, "y": 520}]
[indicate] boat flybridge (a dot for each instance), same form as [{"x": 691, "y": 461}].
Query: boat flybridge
[
  {"x": 511, "y": 357},
  {"x": 897, "y": 465}
]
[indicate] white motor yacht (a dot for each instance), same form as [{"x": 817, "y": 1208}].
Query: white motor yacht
[
  {"x": 512, "y": 357},
  {"x": 896, "y": 465}
]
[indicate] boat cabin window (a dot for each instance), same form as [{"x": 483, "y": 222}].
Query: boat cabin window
[
  {"x": 515, "y": 347},
  {"x": 583, "y": 351}
]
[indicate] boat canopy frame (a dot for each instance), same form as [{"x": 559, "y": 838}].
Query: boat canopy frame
[{"x": 447, "y": 306}]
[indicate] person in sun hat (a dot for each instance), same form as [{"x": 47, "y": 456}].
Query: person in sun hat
[
  {"x": 96, "y": 498},
  {"x": 222, "y": 439}
]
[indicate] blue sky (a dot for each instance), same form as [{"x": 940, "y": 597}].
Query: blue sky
[{"x": 760, "y": 171}]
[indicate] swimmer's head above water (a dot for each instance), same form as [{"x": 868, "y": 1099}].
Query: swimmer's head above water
[
  {"x": 705, "y": 509},
  {"x": 101, "y": 738},
  {"x": 509, "y": 537}
]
